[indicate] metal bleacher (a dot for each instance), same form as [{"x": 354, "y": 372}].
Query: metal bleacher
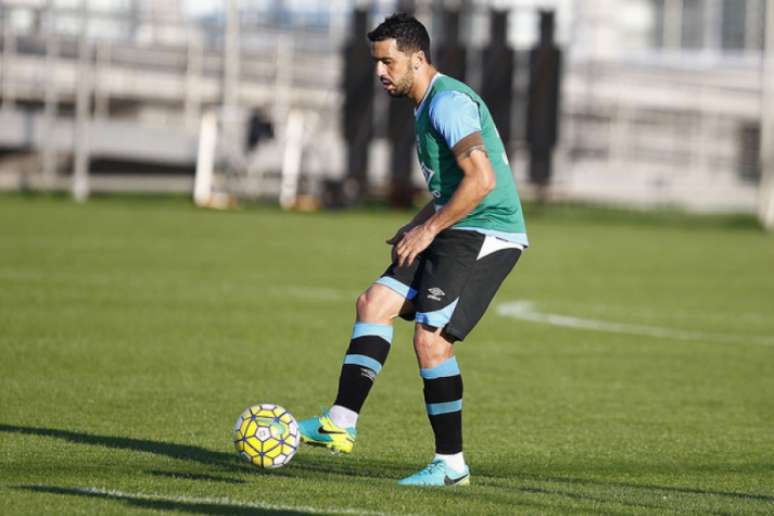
[
  {"x": 642, "y": 125},
  {"x": 139, "y": 100}
]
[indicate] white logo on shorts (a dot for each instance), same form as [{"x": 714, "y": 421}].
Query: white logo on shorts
[{"x": 435, "y": 293}]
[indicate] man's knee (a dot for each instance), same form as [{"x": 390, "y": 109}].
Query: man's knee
[
  {"x": 362, "y": 305},
  {"x": 378, "y": 304}
]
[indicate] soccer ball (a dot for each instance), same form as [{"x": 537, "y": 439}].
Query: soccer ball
[{"x": 266, "y": 435}]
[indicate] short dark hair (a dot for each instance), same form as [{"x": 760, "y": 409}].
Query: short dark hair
[{"x": 407, "y": 31}]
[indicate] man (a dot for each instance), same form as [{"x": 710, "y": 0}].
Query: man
[{"x": 447, "y": 263}]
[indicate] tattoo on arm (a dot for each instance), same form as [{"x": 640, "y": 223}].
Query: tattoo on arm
[
  {"x": 470, "y": 151},
  {"x": 468, "y": 144}
]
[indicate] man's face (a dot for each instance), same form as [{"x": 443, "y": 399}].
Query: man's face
[{"x": 393, "y": 67}]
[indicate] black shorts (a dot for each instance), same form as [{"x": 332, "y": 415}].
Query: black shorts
[{"x": 452, "y": 282}]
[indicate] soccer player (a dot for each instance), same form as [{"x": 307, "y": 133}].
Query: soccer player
[{"x": 447, "y": 263}]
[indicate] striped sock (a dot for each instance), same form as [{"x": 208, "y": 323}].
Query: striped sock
[
  {"x": 365, "y": 357},
  {"x": 443, "y": 398}
]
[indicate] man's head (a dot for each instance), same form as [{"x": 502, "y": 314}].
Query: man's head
[{"x": 400, "y": 46}]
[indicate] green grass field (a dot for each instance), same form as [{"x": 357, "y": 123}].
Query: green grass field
[{"x": 635, "y": 374}]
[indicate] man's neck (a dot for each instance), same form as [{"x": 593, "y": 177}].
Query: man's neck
[{"x": 421, "y": 84}]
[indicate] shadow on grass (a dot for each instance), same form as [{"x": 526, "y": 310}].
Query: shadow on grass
[
  {"x": 160, "y": 503},
  {"x": 516, "y": 497},
  {"x": 319, "y": 465},
  {"x": 193, "y": 476},
  {"x": 313, "y": 464},
  {"x": 600, "y": 504},
  {"x": 633, "y": 487},
  {"x": 173, "y": 450}
]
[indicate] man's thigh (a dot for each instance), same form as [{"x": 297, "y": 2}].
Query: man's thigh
[
  {"x": 452, "y": 282},
  {"x": 447, "y": 265},
  {"x": 403, "y": 281},
  {"x": 436, "y": 276},
  {"x": 484, "y": 280}
]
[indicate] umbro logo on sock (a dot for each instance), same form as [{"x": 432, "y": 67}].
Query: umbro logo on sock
[{"x": 435, "y": 293}]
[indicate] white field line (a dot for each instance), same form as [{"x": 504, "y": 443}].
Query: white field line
[
  {"x": 526, "y": 311},
  {"x": 225, "y": 502}
]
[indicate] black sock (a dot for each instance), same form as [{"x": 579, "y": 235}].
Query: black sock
[
  {"x": 443, "y": 399},
  {"x": 365, "y": 357}
]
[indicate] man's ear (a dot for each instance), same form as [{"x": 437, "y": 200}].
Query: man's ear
[{"x": 418, "y": 58}]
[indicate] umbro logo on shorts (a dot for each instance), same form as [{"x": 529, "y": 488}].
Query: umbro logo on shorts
[{"x": 435, "y": 293}]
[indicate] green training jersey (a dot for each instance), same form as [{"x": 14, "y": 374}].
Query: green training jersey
[{"x": 500, "y": 212}]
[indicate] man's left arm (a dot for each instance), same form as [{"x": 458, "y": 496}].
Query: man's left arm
[{"x": 478, "y": 180}]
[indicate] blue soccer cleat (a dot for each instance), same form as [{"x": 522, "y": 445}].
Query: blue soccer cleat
[
  {"x": 321, "y": 431},
  {"x": 437, "y": 474}
]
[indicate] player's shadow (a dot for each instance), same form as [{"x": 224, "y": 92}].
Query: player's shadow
[
  {"x": 198, "y": 454},
  {"x": 194, "y": 476},
  {"x": 314, "y": 463},
  {"x": 304, "y": 466},
  {"x": 514, "y": 495},
  {"x": 495, "y": 480},
  {"x": 158, "y": 503}
]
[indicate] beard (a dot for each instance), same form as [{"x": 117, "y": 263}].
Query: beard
[{"x": 403, "y": 86}]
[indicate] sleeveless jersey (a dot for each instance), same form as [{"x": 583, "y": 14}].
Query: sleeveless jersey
[{"x": 500, "y": 211}]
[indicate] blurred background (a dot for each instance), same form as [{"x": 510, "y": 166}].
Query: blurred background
[
  {"x": 630, "y": 355},
  {"x": 647, "y": 103}
]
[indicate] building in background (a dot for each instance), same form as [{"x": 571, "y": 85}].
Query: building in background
[
  {"x": 661, "y": 99},
  {"x": 663, "y": 102}
]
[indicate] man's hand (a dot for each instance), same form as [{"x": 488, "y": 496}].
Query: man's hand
[
  {"x": 420, "y": 218},
  {"x": 399, "y": 235},
  {"x": 413, "y": 242}
]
